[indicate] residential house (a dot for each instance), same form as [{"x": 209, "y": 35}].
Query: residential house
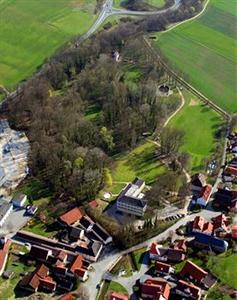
[
  {"x": 188, "y": 290},
  {"x": 78, "y": 269},
  {"x": 230, "y": 174},
  {"x": 209, "y": 242},
  {"x": 4, "y": 255},
  {"x": 90, "y": 251},
  {"x": 205, "y": 195},
  {"x": 181, "y": 245},
  {"x": 199, "y": 224},
  {"x": 157, "y": 252},
  {"x": 38, "y": 279},
  {"x": 72, "y": 217},
  {"x": 76, "y": 233},
  {"x": 40, "y": 253},
  {"x": 19, "y": 200},
  {"x": 198, "y": 182},
  {"x": 155, "y": 289},
  {"x": 220, "y": 224},
  {"x": 225, "y": 199},
  {"x": 118, "y": 296},
  {"x": 131, "y": 200},
  {"x": 234, "y": 232},
  {"x": 5, "y": 210},
  {"x": 193, "y": 272},
  {"x": 163, "y": 268},
  {"x": 93, "y": 204},
  {"x": 99, "y": 232}
]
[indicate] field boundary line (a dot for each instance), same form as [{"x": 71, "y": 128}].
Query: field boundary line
[
  {"x": 183, "y": 82},
  {"x": 187, "y": 20}
]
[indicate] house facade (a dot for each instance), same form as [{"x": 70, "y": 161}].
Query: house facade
[{"x": 131, "y": 200}]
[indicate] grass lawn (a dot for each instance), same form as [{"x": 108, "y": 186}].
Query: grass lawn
[
  {"x": 116, "y": 287},
  {"x": 92, "y": 113},
  {"x": 123, "y": 266},
  {"x": 33, "y": 30},
  {"x": 224, "y": 267},
  {"x": 140, "y": 162},
  {"x": 199, "y": 124},
  {"x": 137, "y": 257},
  {"x": 7, "y": 287},
  {"x": 204, "y": 52}
]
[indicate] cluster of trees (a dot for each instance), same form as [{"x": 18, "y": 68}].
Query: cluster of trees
[
  {"x": 70, "y": 152},
  {"x": 143, "y": 5}
]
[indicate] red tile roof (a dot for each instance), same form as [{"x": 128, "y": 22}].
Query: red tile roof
[
  {"x": 48, "y": 283},
  {"x": 4, "y": 254},
  {"x": 153, "y": 249},
  {"x": 192, "y": 270},
  {"x": 188, "y": 287},
  {"x": 206, "y": 192},
  {"x": 234, "y": 232},
  {"x": 77, "y": 263},
  {"x": 208, "y": 227},
  {"x": 93, "y": 204},
  {"x": 198, "y": 223},
  {"x": 231, "y": 171},
  {"x": 72, "y": 216},
  {"x": 155, "y": 288},
  {"x": 118, "y": 296},
  {"x": 162, "y": 267},
  {"x": 220, "y": 222},
  {"x": 67, "y": 297},
  {"x": 181, "y": 245},
  {"x": 42, "y": 271},
  {"x": 62, "y": 255}
]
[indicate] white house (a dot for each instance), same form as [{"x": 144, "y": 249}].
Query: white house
[{"x": 19, "y": 200}]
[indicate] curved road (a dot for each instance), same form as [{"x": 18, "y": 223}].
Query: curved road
[{"x": 108, "y": 10}]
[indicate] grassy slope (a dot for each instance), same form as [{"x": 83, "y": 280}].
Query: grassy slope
[
  {"x": 204, "y": 50},
  {"x": 31, "y": 31},
  {"x": 224, "y": 268},
  {"x": 199, "y": 124},
  {"x": 139, "y": 162}
]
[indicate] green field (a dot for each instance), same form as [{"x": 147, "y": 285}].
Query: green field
[
  {"x": 32, "y": 30},
  {"x": 204, "y": 52},
  {"x": 199, "y": 124},
  {"x": 140, "y": 162},
  {"x": 224, "y": 267}
]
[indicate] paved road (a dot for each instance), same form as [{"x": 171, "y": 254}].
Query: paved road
[{"x": 105, "y": 262}]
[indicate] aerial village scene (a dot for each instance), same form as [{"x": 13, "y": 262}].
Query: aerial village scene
[{"x": 118, "y": 149}]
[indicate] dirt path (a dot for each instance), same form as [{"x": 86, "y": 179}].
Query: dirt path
[{"x": 177, "y": 110}]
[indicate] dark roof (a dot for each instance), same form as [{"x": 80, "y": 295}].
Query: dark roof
[
  {"x": 100, "y": 232},
  {"x": 75, "y": 232},
  {"x": 198, "y": 180},
  {"x": 210, "y": 240},
  {"x": 133, "y": 201},
  {"x": 86, "y": 222},
  {"x": 39, "y": 252},
  {"x": 92, "y": 249},
  {"x": 138, "y": 182}
]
